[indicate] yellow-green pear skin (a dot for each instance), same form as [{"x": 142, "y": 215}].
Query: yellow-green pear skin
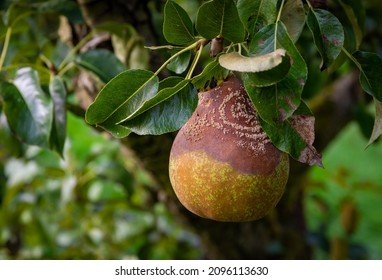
[{"x": 222, "y": 165}]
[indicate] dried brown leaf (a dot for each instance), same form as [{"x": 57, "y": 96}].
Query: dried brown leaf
[{"x": 304, "y": 126}]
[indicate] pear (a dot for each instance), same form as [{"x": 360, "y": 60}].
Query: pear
[{"x": 222, "y": 165}]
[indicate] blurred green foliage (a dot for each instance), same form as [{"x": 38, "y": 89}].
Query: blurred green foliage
[
  {"x": 93, "y": 204},
  {"x": 352, "y": 176}
]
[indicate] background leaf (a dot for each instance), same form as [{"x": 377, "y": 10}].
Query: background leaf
[
  {"x": 293, "y": 16},
  {"x": 257, "y": 14},
  {"x": 57, "y": 91},
  {"x": 15, "y": 13},
  {"x": 370, "y": 65},
  {"x": 28, "y": 109},
  {"x": 128, "y": 45},
  {"x": 123, "y": 95},
  {"x": 169, "y": 115},
  {"x": 177, "y": 25},
  {"x": 328, "y": 35},
  {"x": 220, "y": 18},
  {"x": 103, "y": 63},
  {"x": 355, "y": 13}
]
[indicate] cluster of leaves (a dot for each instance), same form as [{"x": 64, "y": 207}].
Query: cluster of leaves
[
  {"x": 95, "y": 204},
  {"x": 257, "y": 39},
  {"x": 36, "y": 70},
  {"x": 92, "y": 202},
  {"x": 33, "y": 115}
]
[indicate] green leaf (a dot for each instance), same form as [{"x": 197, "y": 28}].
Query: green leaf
[
  {"x": 264, "y": 42},
  {"x": 177, "y": 25},
  {"x": 272, "y": 76},
  {"x": 370, "y": 66},
  {"x": 28, "y": 109},
  {"x": 58, "y": 93},
  {"x": 163, "y": 94},
  {"x": 328, "y": 35},
  {"x": 293, "y": 16},
  {"x": 220, "y": 18},
  {"x": 295, "y": 136},
  {"x": 180, "y": 63},
  {"x": 274, "y": 103},
  {"x": 355, "y": 12},
  {"x": 118, "y": 131},
  {"x": 277, "y": 102},
  {"x": 257, "y": 14},
  {"x": 211, "y": 74},
  {"x": 377, "y": 129},
  {"x": 101, "y": 62},
  {"x": 122, "y": 96},
  {"x": 170, "y": 114}
]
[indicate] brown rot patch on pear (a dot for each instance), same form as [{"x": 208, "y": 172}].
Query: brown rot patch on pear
[{"x": 222, "y": 164}]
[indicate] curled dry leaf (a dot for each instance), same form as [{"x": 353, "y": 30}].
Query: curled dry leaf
[
  {"x": 236, "y": 62},
  {"x": 304, "y": 126}
]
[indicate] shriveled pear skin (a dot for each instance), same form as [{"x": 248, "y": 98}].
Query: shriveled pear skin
[{"x": 215, "y": 190}]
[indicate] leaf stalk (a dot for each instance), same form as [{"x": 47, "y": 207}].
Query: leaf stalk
[
  {"x": 194, "y": 63},
  {"x": 277, "y": 20},
  {"x": 5, "y": 47}
]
